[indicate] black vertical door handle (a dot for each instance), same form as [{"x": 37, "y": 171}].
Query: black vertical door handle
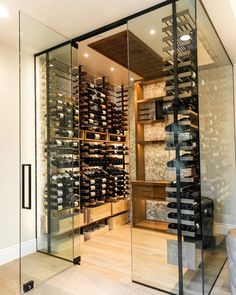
[{"x": 26, "y": 186}]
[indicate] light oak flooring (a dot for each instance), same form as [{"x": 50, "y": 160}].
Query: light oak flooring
[{"x": 105, "y": 270}]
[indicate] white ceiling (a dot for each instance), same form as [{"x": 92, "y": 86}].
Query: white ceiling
[
  {"x": 222, "y": 16},
  {"x": 72, "y": 18}
]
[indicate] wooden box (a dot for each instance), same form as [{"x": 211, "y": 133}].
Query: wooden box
[
  {"x": 117, "y": 221},
  {"x": 97, "y": 232},
  {"x": 98, "y": 213},
  {"x": 126, "y": 204},
  {"x": 117, "y": 207},
  {"x": 66, "y": 224},
  {"x": 66, "y": 243}
]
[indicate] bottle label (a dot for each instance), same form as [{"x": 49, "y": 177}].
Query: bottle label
[
  {"x": 104, "y": 180},
  {"x": 59, "y": 200},
  {"x": 76, "y": 203},
  {"x": 70, "y": 133},
  {"x": 92, "y": 181},
  {"x": 97, "y": 136},
  {"x": 54, "y": 177},
  {"x": 58, "y": 143},
  {"x": 60, "y": 193},
  {"x": 185, "y": 136}
]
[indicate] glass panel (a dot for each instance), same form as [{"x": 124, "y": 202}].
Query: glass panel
[
  {"x": 155, "y": 245},
  {"x": 188, "y": 118},
  {"x": 215, "y": 74},
  {"x": 35, "y": 237},
  {"x": 58, "y": 180}
]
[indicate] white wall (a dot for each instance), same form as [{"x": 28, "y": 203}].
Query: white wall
[{"x": 9, "y": 156}]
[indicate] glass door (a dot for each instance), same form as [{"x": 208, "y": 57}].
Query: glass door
[
  {"x": 164, "y": 142},
  {"x": 47, "y": 154}
]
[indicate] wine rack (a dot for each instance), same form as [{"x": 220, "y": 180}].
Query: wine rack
[
  {"x": 62, "y": 151},
  {"x": 85, "y": 150},
  {"x": 182, "y": 136},
  {"x": 103, "y": 149}
]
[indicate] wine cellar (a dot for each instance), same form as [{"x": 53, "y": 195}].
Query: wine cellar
[
  {"x": 86, "y": 153},
  {"x": 123, "y": 149}
]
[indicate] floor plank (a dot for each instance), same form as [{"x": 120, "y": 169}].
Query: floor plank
[{"x": 105, "y": 270}]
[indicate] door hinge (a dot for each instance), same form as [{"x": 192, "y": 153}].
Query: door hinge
[
  {"x": 28, "y": 286},
  {"x": 77, "y": 260}
]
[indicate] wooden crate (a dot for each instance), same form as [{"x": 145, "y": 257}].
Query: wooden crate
[
  {"x": 98, "y": 213},
  {"x": 66, "y": 243},
  {"x": 117, "y": 207},
  {"x": 93, "y": 234},
  {"x": 126, "y": 204},
  {"x": 117, "y": 221},
  {"x": 66, "y": 224}
]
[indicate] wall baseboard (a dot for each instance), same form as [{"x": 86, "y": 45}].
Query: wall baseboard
[{"x": 11, "y": 253}]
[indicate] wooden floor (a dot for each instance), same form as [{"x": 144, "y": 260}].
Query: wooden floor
[{"x": 105, "y": 270}]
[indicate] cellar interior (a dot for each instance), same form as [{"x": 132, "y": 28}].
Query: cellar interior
[{"x": 119, "y": 120}]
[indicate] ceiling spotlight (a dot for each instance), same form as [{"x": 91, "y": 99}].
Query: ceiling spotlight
[
  {"x": 131, "y": 79},
  {"x": 152, "y": 32},
  {"x": 185, "y": 38},
  {"x": 86, "y": 54},
  {"x": 4, "y": 12},
  {"x": 112, "y": 69}
]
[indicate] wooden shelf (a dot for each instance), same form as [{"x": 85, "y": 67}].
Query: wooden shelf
[
  {"x": 160, "y": 98},
  {"x": 152, "y": 141},
  {"x": 152, "y": 225},
  {"x": 151, "y": 121},
  {"x": 151, "y": 183}
]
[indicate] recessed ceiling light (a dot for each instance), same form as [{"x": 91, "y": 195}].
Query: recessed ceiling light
[
  {"x": 4, "y": 12},
  {"x": 112, "y": 69},
  {"x": 51, "y": 65},
  {"x": 185, "y": 38},
  {"x": 152, "y": 32},
  {"x": 86, "y": 55},
  {"x": 131, "y": 79}
]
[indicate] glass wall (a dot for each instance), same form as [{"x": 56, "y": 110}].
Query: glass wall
[
  {"x": 35, "y": 266},
  {"x": 182, "y": 149},
  {"x": 217, "y": 148},
  {"x": 166, "y": 233}
]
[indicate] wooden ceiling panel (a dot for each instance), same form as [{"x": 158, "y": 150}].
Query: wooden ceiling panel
[{"x": 143, "y": 61}]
